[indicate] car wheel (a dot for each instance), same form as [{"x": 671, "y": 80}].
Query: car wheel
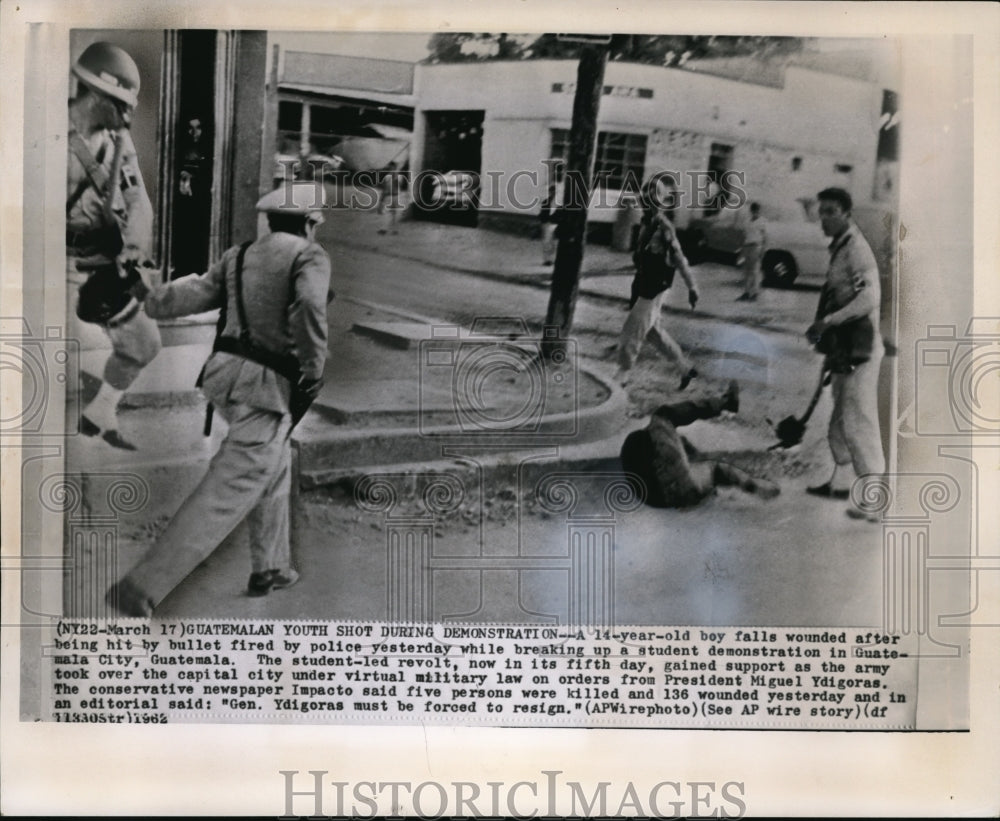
[{"x": 779, "y": 269}]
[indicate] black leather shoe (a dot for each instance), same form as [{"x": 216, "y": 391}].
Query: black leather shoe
[
  {"x": 826, "y": 491},
  {"x": 88, "y": 428},
  {"x": 863, "y": 515},
  {"x": 260, "y": 584},
  {"x": 731, "y": 398},
  {"x": 112, "y": 437},
  {"x": 686, "y": 379},
  {"x": 129, "y": 600},
  {"x": 116, "y": 440}
]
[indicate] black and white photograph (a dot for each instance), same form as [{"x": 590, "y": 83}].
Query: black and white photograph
[{"x": 474, "y": 385}]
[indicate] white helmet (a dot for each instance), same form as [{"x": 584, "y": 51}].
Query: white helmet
[{"x": 110, "y": 70}]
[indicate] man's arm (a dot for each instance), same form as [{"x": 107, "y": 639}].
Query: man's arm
[
  {"x": 682, "y": 265},
  {"x": 307, "y": 315},
  {"x": 867, "y": 290},
  {"x": 191, "y": 294},
  {"x": 137, "y": 227}
]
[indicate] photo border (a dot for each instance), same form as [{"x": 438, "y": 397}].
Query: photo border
[{"x": 179, "y": 769}]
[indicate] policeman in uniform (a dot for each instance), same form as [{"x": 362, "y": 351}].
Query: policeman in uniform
[
  {"x": 851, "y": 295},
  {"x": 109, "y": 223},
  {"x": 274, "y": 293}
]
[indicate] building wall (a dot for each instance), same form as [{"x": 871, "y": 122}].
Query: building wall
[{"x": 823, "y": 120}]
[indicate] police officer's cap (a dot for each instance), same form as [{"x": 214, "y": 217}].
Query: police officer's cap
[
  {"x": 110, "y": 70},
  {"x": 297, "y": 198}
]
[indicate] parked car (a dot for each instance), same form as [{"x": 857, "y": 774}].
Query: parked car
[
  {"x": 452, "y": 189},
  {"x": 797, "y": 248},
  {"x": 313, "y": 164}
]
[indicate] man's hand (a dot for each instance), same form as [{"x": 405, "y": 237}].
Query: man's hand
[
  {"x": 146, "y": 277},
  {"x": 130, "y": 255},
  {"x": 310, "y": 387},
  {"x": 185, "y": 184},
  {"x": 692, "y": 297},
  {"x": 816, "y": 330},
  {"x": 303, "y": 396}
]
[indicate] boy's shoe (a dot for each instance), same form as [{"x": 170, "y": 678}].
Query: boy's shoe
[
  {"x": 731, "y": 398},
  {"x": 260, "y": 584}
]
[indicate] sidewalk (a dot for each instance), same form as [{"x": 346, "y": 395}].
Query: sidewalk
[
  {"x": 383, "y": 410},
  {"x": 384, "y": 402},
  {"x": 381, "y": 404},
  {"x": 605, "y": 273}
]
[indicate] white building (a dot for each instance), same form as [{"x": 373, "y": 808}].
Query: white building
[{"x": 790, "y": 130}]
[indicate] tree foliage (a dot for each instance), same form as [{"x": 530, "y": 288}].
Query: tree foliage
[{"x": 651, "y": 49}]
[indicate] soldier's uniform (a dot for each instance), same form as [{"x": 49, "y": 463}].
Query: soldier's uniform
[
  {"x": 285, "y": 286},
  {"x": 108, "y": 218}
]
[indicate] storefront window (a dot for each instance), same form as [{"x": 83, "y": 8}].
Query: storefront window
[{"x": 619, "y": 156}]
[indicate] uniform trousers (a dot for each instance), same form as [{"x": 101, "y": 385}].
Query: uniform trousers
[
  {"x": 751, "y": 269},
  {"x": 646, "y": 319},
  {"x": 134, "y": 343},
  {"x": 854, "y": 434},
  {"x": 389, "y": 206},
  {"x": 249, "y": 477}
]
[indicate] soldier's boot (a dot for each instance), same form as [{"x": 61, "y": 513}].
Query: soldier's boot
[{"x": 100, "y": 418}]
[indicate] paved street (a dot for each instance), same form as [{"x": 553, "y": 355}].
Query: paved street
[{"x": 495, "y": 551}]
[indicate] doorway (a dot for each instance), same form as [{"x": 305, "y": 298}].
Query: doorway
[
  {"x": 719, "y": 162},
  {"x": 193, "y": 150},
  {"x": 453, "y": 150}
]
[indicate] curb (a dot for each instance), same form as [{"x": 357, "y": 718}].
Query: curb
[
  {"x": 360, "y": 449},
  {"x": 527, "y": 466}
]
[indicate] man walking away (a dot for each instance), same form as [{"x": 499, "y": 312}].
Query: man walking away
[
  {"x": 754, "y": 245},
  {"x": 389, "y": 194},
  {"x": 266, "y": 365},
  {"x": 658, "y": 256}
]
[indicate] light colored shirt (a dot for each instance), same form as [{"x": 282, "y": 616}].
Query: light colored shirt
[
  {"x": 755, "y": 232},
  {"x": 130, "y": 204},
  {"x": 852, "y": 280},
  {"x": 286, "y": 286}
]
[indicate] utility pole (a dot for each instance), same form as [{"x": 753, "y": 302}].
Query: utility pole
[{"x": 578, "y": 185}]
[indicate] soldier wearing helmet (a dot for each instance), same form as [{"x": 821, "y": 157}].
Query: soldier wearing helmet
[
  {"x": 267, "y": 365},
  {"x": 109, "y": 222}
]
